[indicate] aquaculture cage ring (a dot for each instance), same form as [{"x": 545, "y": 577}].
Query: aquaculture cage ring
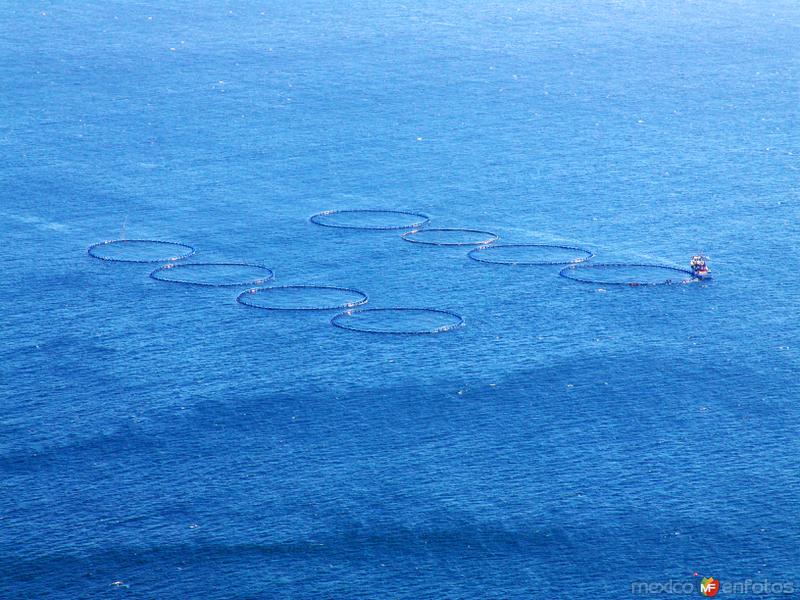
[
  {"x": 399, "y": 320},
  {"x": 222, "y": 274},
  {"x": 293, "y": 297},
  {"x": 417, "y": 236},
  {"x": 144, "y": 251},
  {"x": 483, "y": 254},
  {"x": 370, "y": 219},
  {"x": 573, "y": 272}
]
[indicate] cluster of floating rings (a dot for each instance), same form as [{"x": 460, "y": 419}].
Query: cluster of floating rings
[
  {"x": 167, "y": 272},
  {"x": 327, "y": 218},
  {"x": 396, "y": 320},
  {"x": 483, "y": 254},
  {"x": 349, "y": 320},
  {"x": 417, "y": 236},
  {"x": 165, "y": 249},
  {"x": 250, "y": 297},
  {"x": 573, "y": 272}
]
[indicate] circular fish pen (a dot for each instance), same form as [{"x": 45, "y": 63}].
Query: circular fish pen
[
  {"x": 398, "y": 321},
  {"x": 228, "y": 274},
  {"x": 450, "y": 237},
  {"x": 302, "y": 297},
  {"x": 530, "y": 254},
  {"x": 627, "y": 274},
  {"x": 140, "y": 251},
  {"x": 370, "y": 219}
]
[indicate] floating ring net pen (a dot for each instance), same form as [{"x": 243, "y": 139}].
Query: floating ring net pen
[
  {"x": 530, "y": 254},
  {"x": 450, "y": 237},
  {"x": 140, "y": 251},
  {"x": 214, "y": 274},
  {"x": 632, "y": 275},
  {"x": 302, "y": 297},
  {"x": 370, "y": 219},
  {"x": 401, "y": 321}
]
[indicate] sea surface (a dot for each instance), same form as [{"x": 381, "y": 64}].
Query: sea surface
[{"x": 159, "y": 440}]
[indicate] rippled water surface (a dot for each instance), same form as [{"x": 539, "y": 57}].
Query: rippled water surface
[{"x": 159, "y": 440}]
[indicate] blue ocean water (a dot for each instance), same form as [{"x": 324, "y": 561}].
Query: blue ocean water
[{"x": 565, "y": 443}]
